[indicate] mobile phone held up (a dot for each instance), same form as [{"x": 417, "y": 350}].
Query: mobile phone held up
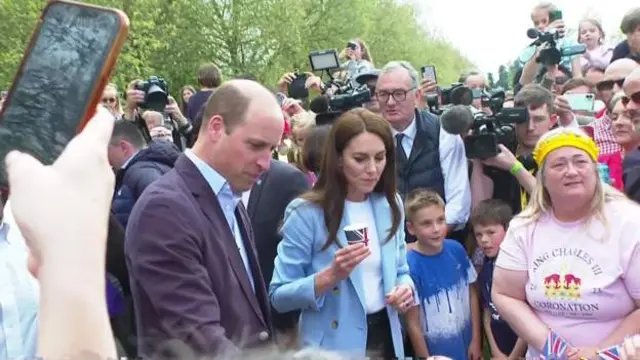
[
  {"x": 429, "y": 72},
  {"x": 60, "y": 80}
]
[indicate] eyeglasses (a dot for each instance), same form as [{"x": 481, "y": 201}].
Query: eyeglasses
[
  {"x": 635, "y": 97},
  {"x": 109, "y": 100},
  {"x": 606, "y": 85},
  {"x": 561, "y": 80},
  {"x": 398, "y": 95}
]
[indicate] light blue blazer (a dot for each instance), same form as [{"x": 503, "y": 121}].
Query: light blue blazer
[{"x": 336, "y": 320}]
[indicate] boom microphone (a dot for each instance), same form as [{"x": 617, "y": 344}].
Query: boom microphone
[{"x": 457, "y": 119}]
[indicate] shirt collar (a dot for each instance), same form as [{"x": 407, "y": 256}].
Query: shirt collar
[
  {"x": 129, "y": 159},
  {"x": 4, "y": 231},
  {"x": 410, "y": 132},
  {"x": 215, "y": 180}
]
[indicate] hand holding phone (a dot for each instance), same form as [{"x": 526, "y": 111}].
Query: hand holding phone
[{"x": 66, "y": 66}]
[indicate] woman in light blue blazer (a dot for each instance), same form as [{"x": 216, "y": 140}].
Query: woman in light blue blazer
[{"x": 342, "y": 258}]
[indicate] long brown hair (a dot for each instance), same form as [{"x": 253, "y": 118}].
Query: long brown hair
[{"x": 330, "y": 191}]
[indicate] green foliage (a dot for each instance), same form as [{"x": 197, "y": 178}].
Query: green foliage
[
  {"x": 491, "y": 82},
  {"x": 171, "y": 38}
]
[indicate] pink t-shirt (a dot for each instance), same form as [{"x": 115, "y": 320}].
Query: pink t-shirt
[{"x": 583, "y": 277}]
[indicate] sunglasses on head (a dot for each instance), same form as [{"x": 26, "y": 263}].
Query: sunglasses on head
[
  {"x": 635, "y": 97},
  {"x": 606, "y": 85}
]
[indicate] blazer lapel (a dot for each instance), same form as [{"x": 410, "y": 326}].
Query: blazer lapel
[
  {"x": 211, "y": 208},
  {"x": 356, "y": 275},
  {"x": 388, "y": 251}
]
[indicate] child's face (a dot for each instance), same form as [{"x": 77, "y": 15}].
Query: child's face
[
  {"x": 540, "y": 19},
  {"x": 429, "y": 226},
  {"x": 489, "y": 238}
]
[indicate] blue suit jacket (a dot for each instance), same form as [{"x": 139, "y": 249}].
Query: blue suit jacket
[{"x": 336, "y": 320}]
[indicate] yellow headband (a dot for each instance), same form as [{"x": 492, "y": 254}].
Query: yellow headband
[{"x": 563, "y": 139}]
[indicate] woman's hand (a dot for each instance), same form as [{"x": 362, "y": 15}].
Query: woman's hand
[
  {"x": 400, "y": 298},
  {"x": 313, "y": 83},
  {"x": 631, "y": 348},
  {"x": 582, "y": 354},
  {"x": 347, "y": 258},
  {"x": 285, "y": 81}
]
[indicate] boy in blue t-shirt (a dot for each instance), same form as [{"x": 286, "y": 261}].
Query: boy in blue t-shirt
[
  {"x": 490, "y": 219},
  {"x": 447, "y": 322}
]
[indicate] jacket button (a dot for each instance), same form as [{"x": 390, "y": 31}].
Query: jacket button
[
  {"x": 263, "y": 336},
  {"x": 334, "y": 324},
  {"x": 336, "y": 290}
]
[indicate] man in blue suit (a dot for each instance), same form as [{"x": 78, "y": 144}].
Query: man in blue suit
[{"x": 190, "y": 248}]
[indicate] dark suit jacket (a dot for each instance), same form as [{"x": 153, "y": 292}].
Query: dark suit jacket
[
  {"x": 631, "y": 175},
  {"x": 188, "y": 280},
  {"x": 267, "y": 202}
]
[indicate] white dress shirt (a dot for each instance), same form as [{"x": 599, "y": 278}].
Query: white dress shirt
[{"x": 455, "y": 171}]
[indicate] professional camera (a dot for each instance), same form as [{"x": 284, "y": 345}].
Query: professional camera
[
  {"x": 345, "y": 95},
  {"x": 156, "y": 93},
  {"x": 488, "y": 131},
  {"x": 456, "y": 94},
  {"x": 550, "y": 55}
]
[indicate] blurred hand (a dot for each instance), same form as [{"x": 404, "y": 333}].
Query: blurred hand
[
  {"x": 285, "y": 80},
  {"x": 558, "y": 25},
  {"x": 563, "y": 110},
  {"x": 65, "y": 222},
  {"x": 631, "y": 348},
  {"x": 134, "y": 97},
  {"x": 428, "y": 86},
  {"x": 347, "y": 258},
  {"x": 475, "y": 350},
  {"x": 400, "y": 298},
  {"x": 313, "y": 83},
  {"x": 173, "y": 110},
  {"x": 505, "y": 160},
  {"x": 582, "y": 354},
  {"x": 292, "y": 106}
]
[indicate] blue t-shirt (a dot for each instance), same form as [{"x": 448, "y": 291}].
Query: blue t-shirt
[
  {"x": 502, "y": 333},
  {"x": 442, "y": 282}
]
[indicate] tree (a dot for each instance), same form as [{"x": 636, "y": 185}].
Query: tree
[
  {"x": 503, "y": 78},
  {"x": 171, "y": 38},
  {"x": 490, "y": 80}
]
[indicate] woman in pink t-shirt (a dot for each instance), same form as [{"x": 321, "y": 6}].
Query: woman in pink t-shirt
[{"x": 570, "y": 261}]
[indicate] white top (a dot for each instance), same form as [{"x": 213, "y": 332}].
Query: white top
[
  {"x": 455, "y": 171},
  {"x": 362, "y": 213}
]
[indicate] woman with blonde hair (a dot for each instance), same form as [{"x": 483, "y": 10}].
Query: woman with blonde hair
[
  {"x": 570, "y": 261},
  {"x": 111, "y": 100},
  {"x": 301, "y": 125}
]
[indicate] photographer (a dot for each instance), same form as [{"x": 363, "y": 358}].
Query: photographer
[
  {"x": 546, "y": 17},
  {"x": 152, "y": 94},
  {"x": 510, "y": 177}
]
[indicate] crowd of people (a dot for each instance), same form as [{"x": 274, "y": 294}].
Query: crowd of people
[{"x": 242, "y": 224}]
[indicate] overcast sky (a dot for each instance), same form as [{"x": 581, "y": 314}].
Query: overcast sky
[{"x": 493, "y": 32}]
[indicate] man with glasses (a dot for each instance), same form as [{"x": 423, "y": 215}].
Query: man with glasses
[
  {"x": 614, "y": 77},
  {"x": 427, "y": 156},
  {"x": 631, "y": 164}
]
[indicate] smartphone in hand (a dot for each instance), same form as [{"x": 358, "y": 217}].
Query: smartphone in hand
[{"x": 59, "y": 83}]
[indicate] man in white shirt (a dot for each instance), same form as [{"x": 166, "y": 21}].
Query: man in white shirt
[
  {"x": 19, "y": 293},
  {"x": 427, "y": 156}
]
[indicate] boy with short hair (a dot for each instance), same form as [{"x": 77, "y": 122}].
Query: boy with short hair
[
  {"x": 490, "y": 220},
  {"x": 448, "y": 321}
]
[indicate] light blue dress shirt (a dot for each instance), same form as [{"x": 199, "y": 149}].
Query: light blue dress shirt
[
  {"x": 228, "y": 201},
  {"x": 19, "y": 298}
]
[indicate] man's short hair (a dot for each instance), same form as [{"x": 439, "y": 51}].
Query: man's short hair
[
  {"x": 246, "y": 77},
  {"x": 209, "y": 76},
  {"x": 465, "y": 75},
  {"x": 575, "y": 83},
  {"x": 128, "y": 131},
  {"x": 630, "y": 21},
  {"x": 229, "y": 102},
  {"x": 535, "y": 96},
  {"x": 395, "y": 65}
]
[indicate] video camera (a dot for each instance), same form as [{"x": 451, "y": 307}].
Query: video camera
[
  {"x": 488, "y": 131},
  {"x": 550, "y": 55},
  {"x": 156, "y": 93},
  {"x": 345, "y": 95}
]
